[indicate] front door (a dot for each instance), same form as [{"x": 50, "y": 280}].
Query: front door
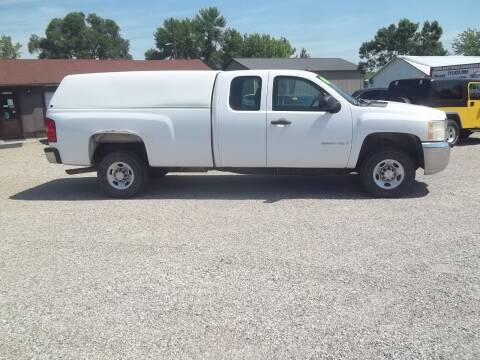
[
  {"x": 473, "y": 120},
  {"x": 10, "y": 122},
  {"x": 299, "y": 133}
]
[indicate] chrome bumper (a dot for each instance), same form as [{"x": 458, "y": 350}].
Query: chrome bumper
[
  {"x": 436, "y": 156},
  {"x": 52, "y": 155}
]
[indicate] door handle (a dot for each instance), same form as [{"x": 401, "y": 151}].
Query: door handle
[
  {"x": 472, "y": 103},
  {"x": 282, "y": 122}
]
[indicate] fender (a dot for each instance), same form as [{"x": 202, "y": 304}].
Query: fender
[{"x": 453, "y": 115}]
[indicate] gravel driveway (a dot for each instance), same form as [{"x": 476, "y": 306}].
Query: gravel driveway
[{"x": 229, "y": 266}]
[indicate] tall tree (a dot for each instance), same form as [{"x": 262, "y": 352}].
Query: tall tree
[
  {"x": 209, "y": 25},
  {"x": 9, "y": 50},
  {"x": 401, "y": 39},
  {"x": 205, "y": 37},
  {"x": 232, "y": 44},
  {"x": 253, "y": 45},
  {"x": 467, "y": 43},
  {"x": 176, "y": 39},
  {"x": 303, "y": 54},
  {"x": 264, "y": 45},
  {"x": 77, "y": 36}
]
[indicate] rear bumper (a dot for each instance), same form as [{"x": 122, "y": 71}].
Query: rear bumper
[
  {"x": 53, "y": 155},
  {"x": 436, "y": 156}
]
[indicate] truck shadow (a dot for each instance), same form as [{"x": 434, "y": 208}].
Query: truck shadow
[
  {"x": 216, "y": 187},
  {"x": 469, "y": 142}
]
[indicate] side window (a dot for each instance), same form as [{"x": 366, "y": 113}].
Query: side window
[
  {"x": 448, "y": 90},
  {"x": 474, "y": 91},
  {"x": 295, "y": 94},
  {"x": 246, "y": 93}
]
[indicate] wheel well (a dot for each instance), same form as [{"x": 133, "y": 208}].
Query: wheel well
[
  {"x": 405, "y": 142},
  {"x": 455, "y": 117},
  {"x": 105, "y": 143}
]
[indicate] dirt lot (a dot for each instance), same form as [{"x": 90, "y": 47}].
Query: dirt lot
[{"x": 229, "y": 266}]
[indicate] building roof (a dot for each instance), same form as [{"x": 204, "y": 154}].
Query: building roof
[
  {"x": 311, "y": 64},
  {"x": 45, "y": 72},
  {"x": 425, "y": 63}
]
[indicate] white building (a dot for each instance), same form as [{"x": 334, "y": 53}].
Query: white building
[{"x": 409, "y": 67}]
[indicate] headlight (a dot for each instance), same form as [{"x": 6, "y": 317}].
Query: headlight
[{"x": 437, "y": 130}]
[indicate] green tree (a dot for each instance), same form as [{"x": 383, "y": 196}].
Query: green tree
[
  {"x": 264, "y": 45},
  {"x": 79, "y": 37},
  {"x": 303, "y": 54},
  {"x": 205, "y": 37},
  {"x": 176, "y": 39},
  {"x": 231, "y": 44},
  {"x": 9, "y": 50},
  {"x": 401, "y": 39},
  {"x": 467, "y": 43},
  {"x": 254, "y": 46},
  {"x": 209, "y": 26}
]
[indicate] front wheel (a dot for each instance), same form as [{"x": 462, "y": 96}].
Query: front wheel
[
  {"x": 122, "y": 174},
  {"x": 453, "y": 132},
  {"x": 388, "y": 174}
]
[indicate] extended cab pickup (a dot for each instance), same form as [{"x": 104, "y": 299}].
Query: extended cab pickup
[{"x": 129, "y": 125}]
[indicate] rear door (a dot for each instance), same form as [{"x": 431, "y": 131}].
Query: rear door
[
  {"x": 473, "y": 120},
  {"x": 299, "y": 133},
  {"x": 10, "y": 121},
  {"x": 239, "y": 119}
]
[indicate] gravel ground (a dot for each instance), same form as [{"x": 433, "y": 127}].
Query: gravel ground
[{"x": 229, "y": 266}]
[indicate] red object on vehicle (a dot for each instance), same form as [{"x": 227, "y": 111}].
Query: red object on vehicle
[{"x": 51, "y": 130}]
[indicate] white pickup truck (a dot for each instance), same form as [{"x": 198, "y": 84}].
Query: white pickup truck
[{"x": 129, "y": 125}]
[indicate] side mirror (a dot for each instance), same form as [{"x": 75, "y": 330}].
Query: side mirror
[{"x": 329, "y": 104}]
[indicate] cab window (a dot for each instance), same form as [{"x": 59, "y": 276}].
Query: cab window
[
  {"x": 474, "y": 91},
  {"x": 246, "y": 93},
  {"x": 295, "y": 94}
]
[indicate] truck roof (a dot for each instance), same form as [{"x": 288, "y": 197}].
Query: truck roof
[
  {"x": 145, "y": 89},
  {"x": 136, "y": 89}
]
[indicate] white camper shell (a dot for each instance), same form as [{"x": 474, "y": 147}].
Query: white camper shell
[{"x": 141, "y": 89}]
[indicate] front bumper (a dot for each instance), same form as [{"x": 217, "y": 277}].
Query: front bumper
[
  {"x": 52, "y": 155},
  {"x": 436, "y": 156}
]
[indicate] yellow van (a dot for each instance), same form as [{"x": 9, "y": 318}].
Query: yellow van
[{"x": 459, "y": 98}]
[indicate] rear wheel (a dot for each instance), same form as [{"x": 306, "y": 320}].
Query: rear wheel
[
  {"x": 122, "y": 174},
  {"x": 453, "y": 132},
  {"x": 388, "y": 173}
]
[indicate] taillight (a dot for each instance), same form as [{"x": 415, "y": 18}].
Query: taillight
[{"x": 51, "y": 130}]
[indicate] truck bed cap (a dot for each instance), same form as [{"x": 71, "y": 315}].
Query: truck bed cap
[{"x": 137, "y": 89}]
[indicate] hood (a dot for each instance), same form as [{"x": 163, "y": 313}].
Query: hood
[{"x": 422, "y": 111}]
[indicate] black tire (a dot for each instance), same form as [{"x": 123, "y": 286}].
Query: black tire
[
  {"x": 453, "y": 132},
  {"x": 367, "y": 173},
  {"x": 464, "y": 134},
  {"x": 137, "y": 167}
]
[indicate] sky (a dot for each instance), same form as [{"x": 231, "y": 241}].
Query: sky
[{"x": 324, "y": 28}]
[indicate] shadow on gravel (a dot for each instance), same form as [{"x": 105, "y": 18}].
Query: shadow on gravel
[
  {"x": 11, "y": 146},
  {"x": 217, "y": 187},
  {"x": 469, "y": 142}
]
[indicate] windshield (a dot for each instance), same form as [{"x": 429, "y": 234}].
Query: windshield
[{"x": 339, "y": 90}]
